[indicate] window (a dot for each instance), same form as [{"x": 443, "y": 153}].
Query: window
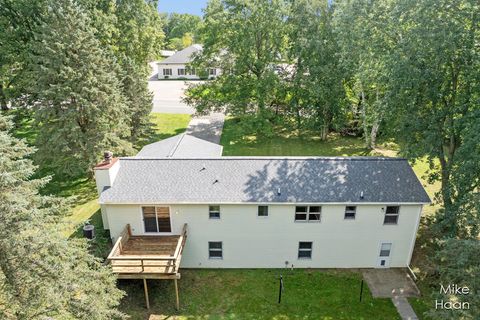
[
  {"x": 214, "y": 212},
  {"x": 191, "y": 71},
  {"x": 212, "y": 72},
  {"x": 308, "y": 213},
  {"x": 385, "y": 250},
  {"x": 167, "y": 72},
  {"x": 181, "y": 72},
  {"x": 304, "y": 250},
  {"x": 263, "y": 211},
  {"x": 391, "y": 215},
  {"x": 156, "y": 219},
  {"x": 350, "y": 212},
  {"x": 215, "y": 250}
]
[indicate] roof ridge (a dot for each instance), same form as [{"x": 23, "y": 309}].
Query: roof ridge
[
  {"x": 354, "y": 158},
  {"x": 175, "y": 147}
]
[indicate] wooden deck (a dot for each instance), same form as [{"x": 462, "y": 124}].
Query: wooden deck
[{"x": 147, "y": 257}]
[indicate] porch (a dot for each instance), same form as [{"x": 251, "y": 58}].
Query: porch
[{"x": 148, "y": 257}]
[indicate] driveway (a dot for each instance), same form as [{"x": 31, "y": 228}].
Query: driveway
[
  {"x": 167, "y": 94},
  {"x": 208, "y": 128}
]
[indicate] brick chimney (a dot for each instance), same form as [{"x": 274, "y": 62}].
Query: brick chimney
[{"x": 106, "y": 171}]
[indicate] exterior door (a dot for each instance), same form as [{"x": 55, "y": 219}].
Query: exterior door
[
  {"x": 384, "y": 255},
  {"x": 156, "y": 219}
]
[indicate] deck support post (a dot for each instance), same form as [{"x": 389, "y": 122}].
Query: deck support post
[
  {"x": 176, "y": 293},
  {"x": 146, "y": 293}
]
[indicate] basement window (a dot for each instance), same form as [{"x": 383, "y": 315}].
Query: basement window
[
  {"x": 391, "y": 215},
  {"x": 214, "y": 212},
  {"x": 308, "y": 213},
  {"x": 305, "y": 250},
  {"x": 215, "y": 250},
  {"x": 262, "y": 211},
  {"x": 350, "y": 212}
]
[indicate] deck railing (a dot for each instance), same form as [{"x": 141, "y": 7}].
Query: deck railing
[{"x": 158, "y": 264}]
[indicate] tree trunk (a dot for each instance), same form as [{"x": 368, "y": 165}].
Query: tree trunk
[
  {"x": 3, "y": 99},
  {"x": 373, "y": 134},
  {"x": 364, "y": 121}
]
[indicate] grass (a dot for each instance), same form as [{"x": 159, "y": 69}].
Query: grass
[
  {"x": 165, "y": 125},
  {"x": 252, "y": 294}
]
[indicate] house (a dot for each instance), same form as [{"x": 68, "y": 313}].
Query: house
[
  {"x": 265, "y": 212},
  {"x": 176, "y": 66},
  {"x": 167, "y": 53}
]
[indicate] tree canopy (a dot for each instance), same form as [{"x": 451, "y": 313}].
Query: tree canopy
[{"x": 43, "y": 274}]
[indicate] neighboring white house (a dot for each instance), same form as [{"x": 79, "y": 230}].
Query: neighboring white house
[
  {"x": 267, "y": 212},
  {"x": 176, "y": 66}
]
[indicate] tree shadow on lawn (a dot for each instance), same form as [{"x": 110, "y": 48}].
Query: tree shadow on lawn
[
  {"x": 239, "y": 142},
  {"x": 253, "y": 294}
]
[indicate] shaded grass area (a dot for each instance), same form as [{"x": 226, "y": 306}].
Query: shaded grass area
[
  {"x": 253, "y": 294},
  {"x": 286, "y": 142}
]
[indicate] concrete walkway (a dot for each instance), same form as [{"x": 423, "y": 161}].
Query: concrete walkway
[
  {"x": 404, "y": 308},
  {"x": 208, "y": 128},
  {"x": 394, "y": 283}
]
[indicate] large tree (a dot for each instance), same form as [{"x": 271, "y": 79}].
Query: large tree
[
  {"x": 367, "y": 39},
  {"x": 42, "y": 274},
  {"x": 246, "y": 39},
  {"x": 435, "y": 91},
  {"x": 316, "y": 91},
  {"x": 180, "y": 26},
  {"x": 18, "y": 22},
  {"x": 80, "y": 111}
]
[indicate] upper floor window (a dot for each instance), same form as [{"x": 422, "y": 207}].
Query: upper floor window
[
  {"x": 350, "y": 212},
  {"x": 214, "y": 212},
  {"x": 305, "y": 250},
  {"x": 391, "y": 215},
  {"x": 308, "y": 213},
  {"x": 262, "y": 211},
  {"x": 167, "y": 72},
  {"x": 181, "y": 72}
]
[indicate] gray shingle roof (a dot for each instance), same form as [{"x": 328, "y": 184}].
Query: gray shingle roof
[
  {"x": 238, "y": 179},
  {"x": 183, "y": 56},
  {"x": 181, "y": 146}
]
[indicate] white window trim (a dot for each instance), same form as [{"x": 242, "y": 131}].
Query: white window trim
[
  {"x": 156, "y": 219},
  {"x": 308, "y": 214},
  {"x": 298, "y": 251},
  {"x": 268, "y": 212},
  {"x": 215, "y": 249},
  {"x": 391, "y": 214},
  {"x": 219, "y": 212},
  {"x": 345, "y": 214}
]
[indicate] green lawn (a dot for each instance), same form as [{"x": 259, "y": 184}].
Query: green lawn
[{"x": 252, "y": 294}]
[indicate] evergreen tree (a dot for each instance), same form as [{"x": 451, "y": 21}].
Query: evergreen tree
[
  {"x": 80, "y": 110},
  {"x": 43, "y": 274}
]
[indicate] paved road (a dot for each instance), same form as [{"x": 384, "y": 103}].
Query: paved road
[{"x": 167, "y": 95}]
